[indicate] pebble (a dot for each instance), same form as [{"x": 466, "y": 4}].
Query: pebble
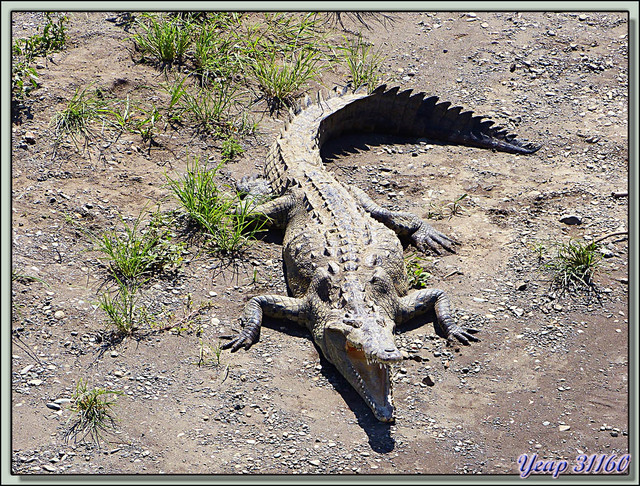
[
  {"x": 427, "y": 380},
  {"x": 59, "y": 315},
  {"x": 30, "y": 138},
  {"x": 54, "y": 406},
  {"x": 570, "y": 219},
  {"x": 564, "y": 428},
  {"x": 26, "y": 369}
]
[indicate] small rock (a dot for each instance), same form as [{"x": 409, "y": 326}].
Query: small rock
[
  {"x": 427, "y": 380},
  {"x": 607, "y": 253},
  {"x": 59, "y": 315},
  {"x": 26, "y": 369},
  {"x": 30, "y": 138},
  {"x": 521, "y": 285},
  {"x": 314, "y": 462},
  {"x": 54, "y": 406},
  {"x": 563, "y": 428},
  {"x": 570, "y": 219},
  {"x": 35, "y": 382}
]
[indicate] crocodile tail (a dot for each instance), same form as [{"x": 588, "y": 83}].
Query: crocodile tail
[{"x": 399, "y": 112}]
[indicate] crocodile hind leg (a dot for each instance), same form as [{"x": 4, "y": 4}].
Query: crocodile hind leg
[
  {"x": 422, "y": 301},
  {"x": 276, "y": 306},
  {"x": 405, "y": 224}
]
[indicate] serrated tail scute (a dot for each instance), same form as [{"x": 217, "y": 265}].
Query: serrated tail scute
[{"x": 398, "y": 112}]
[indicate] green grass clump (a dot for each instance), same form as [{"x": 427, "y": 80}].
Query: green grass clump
[
  {"x": 134, "y": 253},
  {"x": 418, "y": 276},
  {"x": 230, "y": 149},
  {"x": 574, "y": 265},
  {"x": 24, "y": 78},
  {"x": 210, "y": 108},
  {"x": 215, "y": 52},
  {"x": 122, "y": 308},
  {"x": 164, "y": 39},
  {"x": 93, "y": 413},
  {"x": 224, "y": 219},
  {"x": 362, "y": 62},
  {"x": 86, "y": 106},
  {"x": 281, "y": 80}
]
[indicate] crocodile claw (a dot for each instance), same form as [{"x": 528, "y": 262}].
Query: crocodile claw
[
  {"x": 241, "y": 340},
  {"x": 428, "y": 237},
  {"x": 463, "y": 335}
]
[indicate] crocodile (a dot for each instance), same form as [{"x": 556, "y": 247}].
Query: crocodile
[{"x": 343, "y": 258}]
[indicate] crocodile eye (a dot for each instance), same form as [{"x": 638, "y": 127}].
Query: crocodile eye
[{"x": 379, "y": 277}]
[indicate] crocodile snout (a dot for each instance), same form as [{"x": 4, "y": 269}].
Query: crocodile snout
[{"x": 389, "y": 355}]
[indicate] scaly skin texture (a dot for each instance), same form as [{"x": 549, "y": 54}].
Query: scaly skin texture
[{"x": 344, "y": 261}]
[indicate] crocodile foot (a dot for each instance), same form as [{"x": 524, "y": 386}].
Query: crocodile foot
[
  {"x": 241, "y": 340},
  {"x": 464, "y": 335},
  {"x": 428, "y": 237}
]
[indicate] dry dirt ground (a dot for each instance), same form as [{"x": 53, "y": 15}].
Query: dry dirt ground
[{"x": 550, "y": 374}]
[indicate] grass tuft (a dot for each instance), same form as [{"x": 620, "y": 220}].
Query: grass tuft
[
  {"x": 418, "y": 276},
  {"x": 86, "y": 106},
  {"x": 574, "y": 265},
  {"x": 93, "y": 414},
  {"x": 281, "y": 80},
  {"x": 165, "y": 39},
  {"x": 122, "y": 309},
  {"x": 362, "y": 62},
  {"x": 225, "y": 220},
  {"x": 134, "y": 253},
  {"x": 24, "y": 78}
]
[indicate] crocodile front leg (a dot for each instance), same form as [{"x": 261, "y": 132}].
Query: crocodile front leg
[
  {"x": 276, "y": 306},
  {"x": 422, "y": 301},
  {"x": 277, "y": 211},
  {"x": 405, "y": 224}
]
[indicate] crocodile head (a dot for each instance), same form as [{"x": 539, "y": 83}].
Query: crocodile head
[{"x": 357, "y": 338}]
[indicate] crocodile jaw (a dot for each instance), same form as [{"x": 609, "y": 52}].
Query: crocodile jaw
[
  {"x": 371, "y": 379},
  {"x": 367, "y": 373}
]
